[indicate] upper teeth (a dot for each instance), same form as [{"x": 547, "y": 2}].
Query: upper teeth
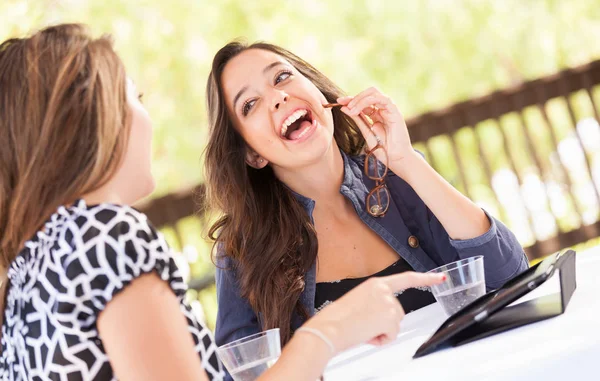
[{"x": 291, "y": 119}]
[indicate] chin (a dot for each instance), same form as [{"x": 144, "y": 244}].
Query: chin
[{"x": 316, "y": 151}]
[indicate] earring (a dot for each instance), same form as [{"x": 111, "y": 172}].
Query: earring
[{"x": 260, "y": 161}]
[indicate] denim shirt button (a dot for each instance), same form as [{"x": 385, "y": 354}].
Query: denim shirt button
[{"x": 413, "y": 242}]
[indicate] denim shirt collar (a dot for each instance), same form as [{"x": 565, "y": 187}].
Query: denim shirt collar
[{"x": 353, "y": 179}]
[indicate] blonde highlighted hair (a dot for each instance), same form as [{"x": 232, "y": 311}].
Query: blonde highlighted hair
[{"x": 64, "y": 124}]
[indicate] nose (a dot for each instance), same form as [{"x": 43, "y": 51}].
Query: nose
[{"x": 280, "y": 98}]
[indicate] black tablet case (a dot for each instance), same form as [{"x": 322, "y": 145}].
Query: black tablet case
[{"x": 524, "y": 313}]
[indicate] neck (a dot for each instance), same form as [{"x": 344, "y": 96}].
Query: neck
[
  {"x": 320, "y": 181},
  {"x": 104, "y": 194}
]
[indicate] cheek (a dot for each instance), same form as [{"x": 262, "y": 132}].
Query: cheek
[
  {"x": 310, "y": 88},
  {"x": 257, "y": 129},
  {"x": 261, "y": 142},
  {"x": 141, "y": 125},
  {"x": 140, "y": 138}
]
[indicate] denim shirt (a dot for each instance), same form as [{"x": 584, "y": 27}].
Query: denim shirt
[{"x": 407, "y": 215}]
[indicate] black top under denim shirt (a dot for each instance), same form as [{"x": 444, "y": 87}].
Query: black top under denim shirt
[
  {"x": 411, "y": 299},
  {"x": 407, "y": 217}
]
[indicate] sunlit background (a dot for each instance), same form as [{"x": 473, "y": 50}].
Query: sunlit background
[{"x": 425, "y": 54}]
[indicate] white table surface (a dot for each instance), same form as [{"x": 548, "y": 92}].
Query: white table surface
[{"x": 560, "y": 348}]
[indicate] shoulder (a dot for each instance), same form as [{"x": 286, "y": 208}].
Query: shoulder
[
  {"x": 110, "y": 221},
  {"x": 84, "y": 256},
  {"x": 111, "y": 245},
  {"x": 226, "y": 272},
  {"x": 113, "y": 227}
]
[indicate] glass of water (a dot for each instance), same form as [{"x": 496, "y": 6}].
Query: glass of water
[
  {"x": 247, "y": 358},
  {"x": 465, "y": 282}
]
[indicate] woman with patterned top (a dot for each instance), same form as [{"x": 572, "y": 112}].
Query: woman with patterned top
[{"x": 89, "y": 288}]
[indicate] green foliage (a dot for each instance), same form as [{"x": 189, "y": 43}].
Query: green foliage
[{"x": 423, "y": 53}]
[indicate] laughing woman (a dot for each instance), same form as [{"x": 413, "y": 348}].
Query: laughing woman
[{"x": 316, "y": 199}]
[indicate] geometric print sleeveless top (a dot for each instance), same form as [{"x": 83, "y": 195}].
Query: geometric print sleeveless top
[{"x": 65, "y": 276}]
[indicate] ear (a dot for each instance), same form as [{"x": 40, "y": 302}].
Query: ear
[{"x": 254, "y": 160}]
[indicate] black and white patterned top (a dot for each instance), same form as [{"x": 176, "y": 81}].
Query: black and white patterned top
[{"x": 63, "y": 279}]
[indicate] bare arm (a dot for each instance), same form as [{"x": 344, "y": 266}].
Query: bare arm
[
  {"x": 369, "y": 313},
  {"x": 146, "y": 336},
  {"x": 303, "y": 359}
]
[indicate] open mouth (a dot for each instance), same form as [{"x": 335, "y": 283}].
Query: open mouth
[{"x": 296, "y": 125}]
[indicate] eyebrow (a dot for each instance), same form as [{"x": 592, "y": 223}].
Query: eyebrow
[{"x": 243, "y": 89}]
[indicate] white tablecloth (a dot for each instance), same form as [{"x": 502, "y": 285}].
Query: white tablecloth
[{"x": 560, "y": 348}]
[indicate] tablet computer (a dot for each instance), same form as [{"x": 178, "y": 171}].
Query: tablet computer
[{"x": 482, "y": 308}]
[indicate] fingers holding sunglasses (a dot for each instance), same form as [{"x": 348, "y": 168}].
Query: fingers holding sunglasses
[
  {"x": 372, "y": 97},
  {"x": 372, "y": 132},
  {"x": 388, "y": 122},
  {"x": 380, "y": 109},
  {"x": 371, "y": 111},
  {"x": 378, "y": 130},
  {"x": 369, "y": 122}
]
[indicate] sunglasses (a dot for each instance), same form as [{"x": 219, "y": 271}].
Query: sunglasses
[{"x": 378, "y": 199}]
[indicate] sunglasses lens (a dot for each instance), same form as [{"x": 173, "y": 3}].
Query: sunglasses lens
[
  {"x": 376, "y": 168},
  {"x": 378, "y": 201}
]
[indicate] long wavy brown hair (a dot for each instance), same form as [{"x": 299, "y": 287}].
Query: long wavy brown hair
[
  {"x": 262, "y": 228},
  {"x": 64, "y": 124}
]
